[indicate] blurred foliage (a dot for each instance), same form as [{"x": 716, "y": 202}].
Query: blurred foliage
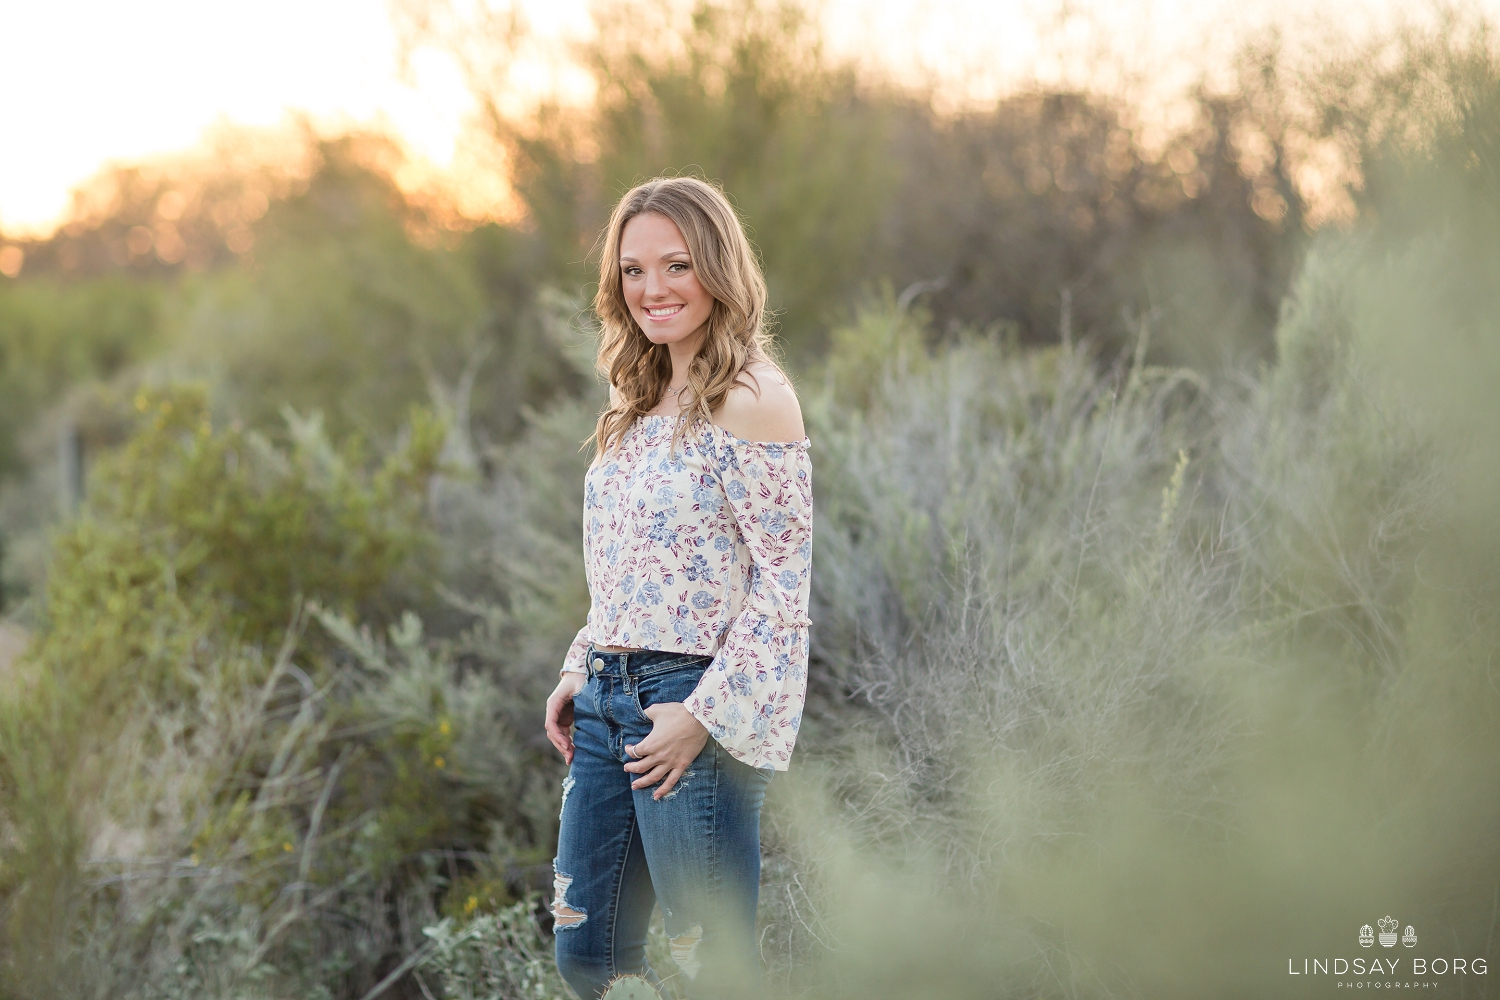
[
  {"x": 54, "y": 335},
  {"x": 358, "y": 768},
  {"x": 193, "y": 212},
  {"x": 1049, "y": 212},
  {"x": 357, "y": 307},
  {"x": 187, "y": 517},
  {"x": 495, "y": 956},
  {"x": 192, "y": 534},
  {"x": 1009, "y": 212},
  {"x": 342, "y": 296},
  {"x": 289, "y": 267}
]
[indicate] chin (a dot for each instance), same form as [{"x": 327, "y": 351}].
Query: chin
[{"x": 659, "y": 336}]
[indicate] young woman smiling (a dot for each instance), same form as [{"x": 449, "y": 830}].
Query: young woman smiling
[{"x": 683, "y": 692}]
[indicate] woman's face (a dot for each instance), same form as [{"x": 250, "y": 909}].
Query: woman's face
[{"x": 661, "y": 287}]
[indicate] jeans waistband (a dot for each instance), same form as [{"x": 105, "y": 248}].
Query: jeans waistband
[{"x": 640, "y": 662}]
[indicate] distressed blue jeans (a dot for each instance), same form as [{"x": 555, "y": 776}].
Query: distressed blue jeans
[{"x": 619, "y": 851}]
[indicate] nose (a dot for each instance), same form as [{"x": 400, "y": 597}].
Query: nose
[{"x": 655, "y": 287}]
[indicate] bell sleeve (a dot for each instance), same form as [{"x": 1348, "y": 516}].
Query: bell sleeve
[
  {"x": 577, "y": 652},
  {"x": 750, "y": 697}
]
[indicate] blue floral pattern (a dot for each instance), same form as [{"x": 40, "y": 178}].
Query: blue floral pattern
[{"x": 743, "y": 553}]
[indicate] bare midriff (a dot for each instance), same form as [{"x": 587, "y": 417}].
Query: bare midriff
[{"x": 619, "y": 649}]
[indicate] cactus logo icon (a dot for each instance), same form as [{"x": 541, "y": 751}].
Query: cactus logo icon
[
  {"x": 1410, "y": 937},
  {"x": 1366, "y": 936},
  {"x": 1388, "y": 927}
]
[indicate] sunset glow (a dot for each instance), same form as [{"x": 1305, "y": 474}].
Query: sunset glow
[{"x": 89, "y": 82}]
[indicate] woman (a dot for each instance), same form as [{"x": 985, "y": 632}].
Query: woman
[{"x": 684, "y": 689}]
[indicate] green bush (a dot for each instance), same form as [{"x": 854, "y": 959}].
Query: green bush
[
  {"x": 494, "y": 956},
  {"x": 357, "y": 303},
  {"x": 54, "y": 335},
  {"x": 1083, "y": 633},
  {"x": 194, "y": 553},
  {"x": 187, "y": 522}
]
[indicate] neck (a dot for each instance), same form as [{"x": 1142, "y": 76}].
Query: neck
[{"x": 683, "y": 352}]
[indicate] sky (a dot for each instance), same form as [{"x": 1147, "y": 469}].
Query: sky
[{"x": 89, "y": 82}]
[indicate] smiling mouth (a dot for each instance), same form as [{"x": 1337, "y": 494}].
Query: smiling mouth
[{"x": 663, "y": 312}]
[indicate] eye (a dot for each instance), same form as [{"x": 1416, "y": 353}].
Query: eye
[
  {"x": 677, "y": 267},
  {"x": 631, "y": 270}
]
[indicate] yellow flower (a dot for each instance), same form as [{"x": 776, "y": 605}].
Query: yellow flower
[
  {"x": 444, "y": 728},
  {"x": 471, "y": 905},
  {"x": 286, "y": 845},
  {"x": 439, "y": 762},
  {"x": 141, "y": 402}
]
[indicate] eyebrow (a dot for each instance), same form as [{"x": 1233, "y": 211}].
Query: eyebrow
[{"x": 666, "y": 256}]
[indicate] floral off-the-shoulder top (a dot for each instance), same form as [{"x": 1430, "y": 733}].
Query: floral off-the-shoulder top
[{"x": 708, "y": 551}]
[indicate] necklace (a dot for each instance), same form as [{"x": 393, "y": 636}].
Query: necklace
[{"x": 672, "y": 392}]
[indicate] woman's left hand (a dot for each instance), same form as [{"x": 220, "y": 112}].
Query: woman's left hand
[{"x": 675, "y": 741}]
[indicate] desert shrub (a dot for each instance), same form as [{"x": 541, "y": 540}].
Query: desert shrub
[
  {"x": 1043, "y": 202},
  {"x": 1094, "y": 632},
  {"x": 280, "y": 837},
  {"x": 215, "y": 781},
  {"x": 195, "y": 551},
  {"x": 55, "y": 335},
  {"x": 1086, "y": 628},
  {"x": 494, "y": 957},
  {"x": 359, "y": 303},
  {"x": 186, "y": 520}
]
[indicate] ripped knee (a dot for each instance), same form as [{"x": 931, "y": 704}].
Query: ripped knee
[
  {"x": 564, "y": 914},
  {"x": 682, "y": 783},
  {"x": 685, "y": 950}
]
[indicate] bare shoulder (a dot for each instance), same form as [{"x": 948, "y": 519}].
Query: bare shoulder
[{"x": 762, "y": 406}]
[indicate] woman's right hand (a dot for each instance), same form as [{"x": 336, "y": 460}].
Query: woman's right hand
[{"x": 560, "y": 712}]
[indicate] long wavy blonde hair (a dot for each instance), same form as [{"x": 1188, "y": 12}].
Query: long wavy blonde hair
[{"x": 726, "y": 266}]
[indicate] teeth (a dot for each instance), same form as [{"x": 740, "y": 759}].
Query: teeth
[{"x": 669, "y": 310}]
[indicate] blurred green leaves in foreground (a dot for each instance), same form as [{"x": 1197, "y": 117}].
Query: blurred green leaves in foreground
[{"x": 1140, "y": 667}]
